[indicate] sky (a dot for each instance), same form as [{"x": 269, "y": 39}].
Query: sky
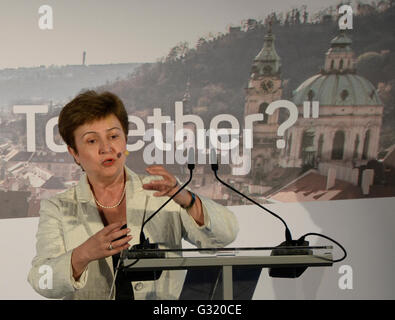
[{"x": 120, "y": 31}]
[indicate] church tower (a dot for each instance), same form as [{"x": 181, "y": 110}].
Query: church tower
[{"x": 264, "y": 87}]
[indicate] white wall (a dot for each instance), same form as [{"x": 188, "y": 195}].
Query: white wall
[{"x": 364, "y": 227}]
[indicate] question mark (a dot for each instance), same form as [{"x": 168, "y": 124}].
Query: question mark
[{"x": 293, "y": 116}]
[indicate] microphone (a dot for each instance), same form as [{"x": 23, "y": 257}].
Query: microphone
[
  {"x": 139, "y": 250},
  {"x": 119, "y": 154},
  {"x": 284, "y": 247}
]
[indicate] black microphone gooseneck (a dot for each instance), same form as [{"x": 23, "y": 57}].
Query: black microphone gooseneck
[
  {"x": 288, "y": 247},
  {"x": 142, "y": 236},
  {"x": 214, "y": 167},
  {"x": 144, "y": 242}
]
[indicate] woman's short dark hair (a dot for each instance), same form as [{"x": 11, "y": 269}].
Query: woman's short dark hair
[{"x": 86, "y": 108}]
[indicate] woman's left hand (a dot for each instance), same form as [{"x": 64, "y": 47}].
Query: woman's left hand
[{"x": 166, "y": 187}]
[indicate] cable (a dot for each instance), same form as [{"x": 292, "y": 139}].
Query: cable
[
  {"x": 328, "y": 238},
  {"x": 115, "y": 275},
  {"x": 131, "y": 264},
  {"x": 215, "y": 285}
]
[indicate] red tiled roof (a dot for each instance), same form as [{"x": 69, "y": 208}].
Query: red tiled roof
[{"x": 312, "y": 187}]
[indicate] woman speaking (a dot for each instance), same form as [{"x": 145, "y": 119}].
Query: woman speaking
[{"x": 83, "y": 230}]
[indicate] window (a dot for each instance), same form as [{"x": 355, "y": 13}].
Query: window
[
  {"x": 344, "y": 94},
  {"x": 289, "y": 145},
  {"x": 338, "y": 146},
  {"x": 320, "y": 146},
  {"x": 267, "y": 70},
  {"x": 262, "y": 109},
  {"x": 366, "y": 145},
  {"x": 356, "y": 145},
  {"x": 310, "y": 95},
  {"x": 307, "y": 151}
]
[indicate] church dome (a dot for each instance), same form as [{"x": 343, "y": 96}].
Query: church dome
[
  {"x": 338, "y": 84},
  {"x": 337, "y": 90}
]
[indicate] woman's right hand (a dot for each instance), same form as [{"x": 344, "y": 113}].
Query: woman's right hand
[{"x": 98, "y": 247}]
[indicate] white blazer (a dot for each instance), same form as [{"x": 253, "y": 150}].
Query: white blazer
[{"x": 70, "y": 218}]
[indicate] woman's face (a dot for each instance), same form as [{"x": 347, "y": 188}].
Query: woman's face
[{"x": 101, "y": 145}]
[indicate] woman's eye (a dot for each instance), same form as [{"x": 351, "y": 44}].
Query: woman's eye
[
  {"x": 91, "y": 141},
  {"x": 114, "y": 136}
]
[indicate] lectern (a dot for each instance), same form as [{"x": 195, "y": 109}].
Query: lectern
[{"x": 227, "y": 258}]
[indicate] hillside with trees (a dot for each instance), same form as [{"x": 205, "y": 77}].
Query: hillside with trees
[{"x": 218, "y": 67}]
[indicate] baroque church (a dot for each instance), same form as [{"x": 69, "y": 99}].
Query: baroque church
[{"x": 347, "y": 130}]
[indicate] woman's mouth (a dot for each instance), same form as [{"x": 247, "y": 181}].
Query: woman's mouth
[{"x": 108, "y": 162}]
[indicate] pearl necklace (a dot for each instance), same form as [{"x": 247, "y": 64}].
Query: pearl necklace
[{"x": 114, "y": 206}]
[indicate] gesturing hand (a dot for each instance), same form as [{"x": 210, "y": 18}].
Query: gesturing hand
[{"x": 166, "y": 186}]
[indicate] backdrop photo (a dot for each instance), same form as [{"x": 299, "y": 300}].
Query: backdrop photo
[{"x": 297, "y": 98}]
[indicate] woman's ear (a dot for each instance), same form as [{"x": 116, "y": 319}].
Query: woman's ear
[{"x": 74, "y": 154}]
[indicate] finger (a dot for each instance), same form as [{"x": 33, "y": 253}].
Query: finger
[
  {"x": 158, "y": 181},
  {"x": 154, "y": 167},
  {"x": 159, "y": 170},
  {"x": 168, "y": 181},
  {"x": 148, "y": 186},
  {"x": 117, "y": 249},
  {"x": 112, "y": 227},
  {"x": 155, "y": 183},
  {"x": 119, "y": 243},
  {"x": 157, "y": 186},
  {"x": 117, "y": 234},
  {"x": 160, "y": 193},
  {"x": 165, "y": 191},
  {"x": 152, "y": 186},
  {"x": 161, "y": 184}
]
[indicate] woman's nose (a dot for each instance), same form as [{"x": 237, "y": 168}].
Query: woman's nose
[{"x": 105, "y": 147}]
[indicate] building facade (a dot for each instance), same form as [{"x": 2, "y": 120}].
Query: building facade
[{"x": 347, "y": 131}]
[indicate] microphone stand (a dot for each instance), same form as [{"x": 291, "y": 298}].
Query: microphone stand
[
  {"x": 273, "y": 272},
  {"x": 214, "y": 167},
  {"x": 139, "y": 251}
]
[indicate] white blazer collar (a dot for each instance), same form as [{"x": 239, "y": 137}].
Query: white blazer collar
[{"x": 136, "y": 205}]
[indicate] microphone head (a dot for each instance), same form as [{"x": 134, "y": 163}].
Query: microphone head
[
  {"x": 191, "y": 158},
  {"x": 213, "y": 159},
  {"x": 119, "y": 154},
  {"x": 213, "y": 156}
]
